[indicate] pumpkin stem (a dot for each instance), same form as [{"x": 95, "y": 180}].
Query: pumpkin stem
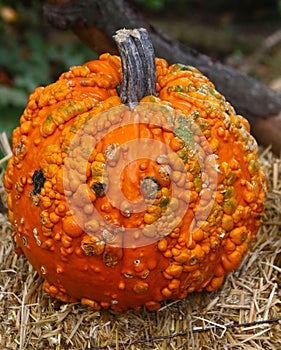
[{"x": 138, "y": 65}]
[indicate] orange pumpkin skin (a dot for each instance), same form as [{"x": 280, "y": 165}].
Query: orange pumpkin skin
[{"x": 78, "y": 265}]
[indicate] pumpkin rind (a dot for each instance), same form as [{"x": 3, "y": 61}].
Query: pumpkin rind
[{"x": 91, "y": 263}]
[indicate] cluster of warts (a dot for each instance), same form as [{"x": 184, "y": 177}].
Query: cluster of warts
[{"x": 213, "y": 160}]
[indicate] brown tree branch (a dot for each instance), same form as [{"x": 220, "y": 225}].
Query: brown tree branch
[{"x": 96, "y": 21}]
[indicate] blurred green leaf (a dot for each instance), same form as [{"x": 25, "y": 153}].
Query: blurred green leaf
[
  {"x": 10, "y": 96},
  {"x": 9, "y": 119}
]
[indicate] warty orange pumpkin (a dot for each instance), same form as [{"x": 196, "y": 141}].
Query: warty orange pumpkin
[{"x": 132, "y": 181}]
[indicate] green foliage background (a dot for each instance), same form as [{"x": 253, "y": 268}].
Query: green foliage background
[{"x": 31, "y": 54}]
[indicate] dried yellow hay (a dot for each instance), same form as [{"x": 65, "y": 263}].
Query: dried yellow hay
[{"x": 244, "y": 314}]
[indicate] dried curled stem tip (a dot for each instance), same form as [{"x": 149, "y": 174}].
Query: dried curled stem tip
[{"x": 138, "y": 64}]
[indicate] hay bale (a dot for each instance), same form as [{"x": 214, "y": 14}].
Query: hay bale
[{"x": 245, "y": 313}]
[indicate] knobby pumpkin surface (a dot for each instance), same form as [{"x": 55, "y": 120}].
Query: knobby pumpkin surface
[{"x": 125, "y": 236}]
